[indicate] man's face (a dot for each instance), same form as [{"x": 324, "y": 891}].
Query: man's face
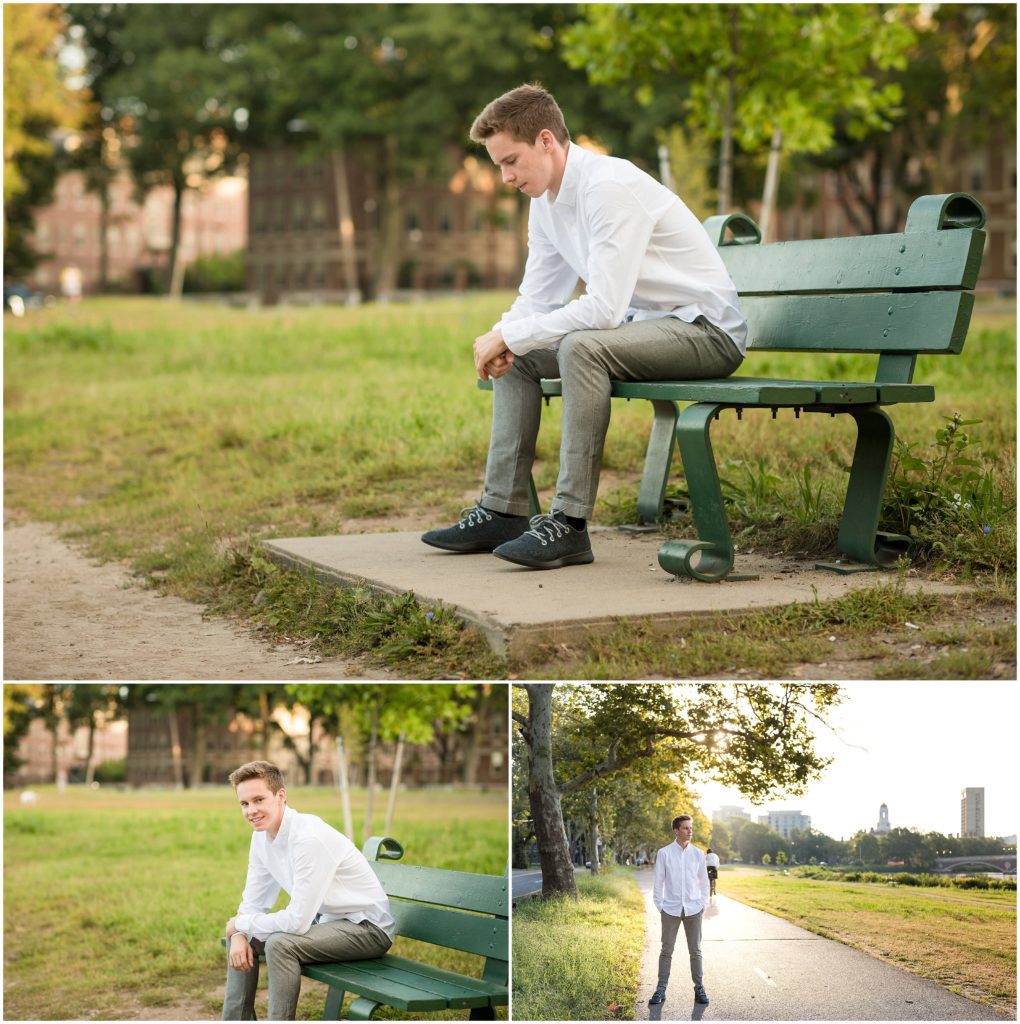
[
  {"x": 531, "y": 169},
  {"x": 262, "y": 809},
  {"x": 683, "y": 832}
]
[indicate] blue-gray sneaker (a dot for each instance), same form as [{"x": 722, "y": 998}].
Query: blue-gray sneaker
[
  {"x": 550, "y": 544},
  {"x": 478, "y": 530}
]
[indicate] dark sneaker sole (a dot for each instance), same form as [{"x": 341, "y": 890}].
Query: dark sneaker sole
[
  {"x": 467, "y": 548},
  {"x": 579, "y": 558}
]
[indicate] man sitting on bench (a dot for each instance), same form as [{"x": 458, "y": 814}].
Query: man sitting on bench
[
  {"x": 658, "y": 305},
  {"x": 338, "y": 911}
]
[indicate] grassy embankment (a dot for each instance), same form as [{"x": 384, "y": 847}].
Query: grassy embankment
[
  {"x": 963, "y": 939},
  {"x": 114, "y": 901},
  {"x": 176, "y": 438},
  {"x": 580, "y": 960}
]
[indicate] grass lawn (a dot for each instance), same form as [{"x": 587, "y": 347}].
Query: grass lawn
[
  {"x": 114, "y": 901},
  {"x": 579, "y": 960},
  {"x": 176, "y": 437},
  {"x": 964, "y": 939}
]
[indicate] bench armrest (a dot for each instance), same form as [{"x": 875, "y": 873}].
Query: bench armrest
[{"x": 382, "y": 848}]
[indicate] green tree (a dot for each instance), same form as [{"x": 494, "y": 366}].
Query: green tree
[
  {"x": 781, "y": 858},
  {"x": 91, "y": 705},
  {"x": 36, "y": 102},
  {"x": 765, "y": 76},
  {"x": 162, "y": 82},
  {"x": 22, "y": 703},
  {"x": 755, "y": 737},
  {"x": 722, "y": 843}
]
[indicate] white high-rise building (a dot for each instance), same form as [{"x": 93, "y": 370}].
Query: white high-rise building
[
  {"x": 972, "y": 811},
  {"x": 730, "y": 811},
  {"x": 785, "y": 822}
]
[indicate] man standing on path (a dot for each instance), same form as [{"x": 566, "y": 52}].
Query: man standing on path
[
  {"x": 680, "y": 893},
  {"x": 338, "y": 911},
  {"x": 658, "y": 304}
]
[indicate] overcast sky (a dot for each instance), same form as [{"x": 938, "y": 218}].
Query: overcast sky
[{"x": 913, "y": 746}]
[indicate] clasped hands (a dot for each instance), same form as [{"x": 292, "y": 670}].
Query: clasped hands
[
  {"x": 492, "y": 357},
  {"x": 242, "y": 956}
]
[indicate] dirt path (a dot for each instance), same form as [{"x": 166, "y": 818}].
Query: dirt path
[{"x": 66, "y": 617}]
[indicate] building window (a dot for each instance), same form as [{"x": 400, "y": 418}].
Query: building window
[
  {"x": 318, "y": 212},
  {"x": 977, "y": 171}
]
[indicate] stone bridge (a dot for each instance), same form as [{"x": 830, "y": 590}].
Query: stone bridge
[{"x": 1006, "y": 863}]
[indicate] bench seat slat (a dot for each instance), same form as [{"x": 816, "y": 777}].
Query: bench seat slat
[
  {"x": 396, "y": 975},
  {"x": 485, "y": 894},
  {"x": 901, "y": 322},
  {"x": 924, "y": 260},
  {"x": 364, "y": 983}
]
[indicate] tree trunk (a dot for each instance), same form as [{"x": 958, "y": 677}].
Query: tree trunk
[
  {"x": 394, "y": 783},
  {"x": 175, "y": 749},
  {"x": 388, "y": 252},
  {"x": 344, "y": 786},
  {"x": 726, "y": 143},
  {"x": 175, "y": 286},
  {"x": 544, "y": 797},
  {"x": 372, "y": 742},
  {"x": 472, "y": 741},
  {"x": 197, "y": 750},
  {"x": 345, "y": 218},
  {"x": 309, "y": 766},
  {"x": 593, "y": 831},
  {"x": 90, "y": 767},
  {"x": 104, "y": 242},
  {"x": 265, "y": 717},
  {"x": 771, "y": 190}
]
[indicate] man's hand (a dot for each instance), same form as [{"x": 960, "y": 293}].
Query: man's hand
[
  {"x": 242, "y": 957},
  {"x": 492, "y": 357}
]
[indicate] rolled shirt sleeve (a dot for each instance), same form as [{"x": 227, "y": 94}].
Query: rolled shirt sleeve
[{"x": 314, "y": 868}]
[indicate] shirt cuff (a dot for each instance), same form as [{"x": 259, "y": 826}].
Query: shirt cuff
[
  {"x": 242, "y": 923},
  {"x": 519, "y": 336}
]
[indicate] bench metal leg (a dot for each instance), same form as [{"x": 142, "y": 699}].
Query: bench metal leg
[
  {"x": 362, "y": 1009},
  {"x": 713, "y": 545},
  {"x": 859, "y": 537},
  {"x": 483, "y": 1013},
  {"x": 334, "y": 1003},
  {"x": 658, "y": 457}
]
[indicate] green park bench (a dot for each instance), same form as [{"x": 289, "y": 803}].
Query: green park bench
[
  {"x": 453, "y": 909},
  {"x": 897, "y": 295}
]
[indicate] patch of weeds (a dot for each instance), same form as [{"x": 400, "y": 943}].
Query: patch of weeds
[
  {"x": 948, "y": 497},
  {"x": 71, "y": 337},
  {"x": 978, "y": 652},
  {"x": 424, "y": 642}
]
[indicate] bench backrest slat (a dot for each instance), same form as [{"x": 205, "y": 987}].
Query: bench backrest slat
[
  {"x": 454, "y": 929},
  {"x": 863, "y": 322},
  {"x": 926, "y": 260},
  {"x": 484, "y": 894}
]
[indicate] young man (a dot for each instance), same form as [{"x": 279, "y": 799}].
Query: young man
[
  {"x": 337, "y": 910},
  {"x": 658, "y": 305},
  {"x": 680, "y": 893}
]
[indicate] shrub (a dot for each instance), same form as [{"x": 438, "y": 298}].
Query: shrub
[
  {"x": 220, "y": 272},
  {"x": 111, "y": 772}
]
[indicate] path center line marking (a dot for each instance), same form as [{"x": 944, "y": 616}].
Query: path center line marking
[{"x": 764, "y": 977}]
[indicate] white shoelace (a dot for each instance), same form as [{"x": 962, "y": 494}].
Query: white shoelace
[
  {"x": 474, "y": 516},
  {"x": 545, "y": 528}
]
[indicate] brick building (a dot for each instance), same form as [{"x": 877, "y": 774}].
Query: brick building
[
  {"x": 36, "y": 752},
  {"x": 69, "y": 230},
  {"x": 456, "y": 231}
]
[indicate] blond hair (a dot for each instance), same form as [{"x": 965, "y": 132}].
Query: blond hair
[
  {"x": 522, "y": 113},
  {"x": 265, "y": 770}
]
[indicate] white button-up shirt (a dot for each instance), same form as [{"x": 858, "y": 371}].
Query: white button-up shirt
[
  {"x": 640, "y": 251},
  {"x": 326, "y": 875},
  {"x": 681, "y": 886}
]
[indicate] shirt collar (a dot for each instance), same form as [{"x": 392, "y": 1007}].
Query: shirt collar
[
  {"x": 567, "y": 195},
  {"x": 285, "y": 826}
]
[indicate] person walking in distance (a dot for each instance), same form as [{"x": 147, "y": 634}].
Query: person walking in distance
[
  {"x": 712, "y": 863},
  {"x": 680, "y": 893}
]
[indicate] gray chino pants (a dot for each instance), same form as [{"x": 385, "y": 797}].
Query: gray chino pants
[
  {"x": 286, "y": 953},
  {"x": 692, "y": 929},
  {"x": 586, "y": 361}
]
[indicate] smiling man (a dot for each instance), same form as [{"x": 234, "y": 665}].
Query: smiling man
[
  {"x": 337, "y": 911},
  {"x": 658, "y": 304}
]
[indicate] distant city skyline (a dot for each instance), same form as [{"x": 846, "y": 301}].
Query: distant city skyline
[{"x": 913, "y": 746}]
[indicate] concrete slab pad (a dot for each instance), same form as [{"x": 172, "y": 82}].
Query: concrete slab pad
[{"x": 517, "y": 608}]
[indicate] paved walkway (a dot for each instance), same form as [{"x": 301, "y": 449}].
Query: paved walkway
[
  {"x": 760, "y": 967},
  {"x": 515, "y": 608}
]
